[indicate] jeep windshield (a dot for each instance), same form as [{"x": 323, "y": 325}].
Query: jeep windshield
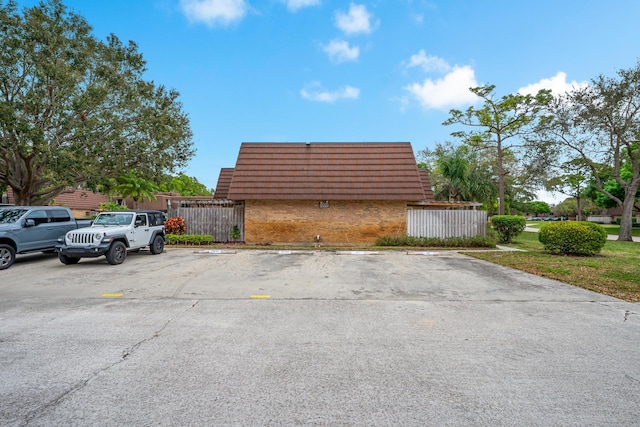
[
  {"x": 113, "y": 219},
  {"x": 10, "y": 215}
]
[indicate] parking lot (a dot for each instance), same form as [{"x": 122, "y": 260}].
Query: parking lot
[{"x": 297, "y": 338}]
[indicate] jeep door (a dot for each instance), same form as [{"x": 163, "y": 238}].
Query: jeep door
[{"x": 142, "y": 231}]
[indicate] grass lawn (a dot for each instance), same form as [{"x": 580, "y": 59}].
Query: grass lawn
[{"x": 615, "y": 271}]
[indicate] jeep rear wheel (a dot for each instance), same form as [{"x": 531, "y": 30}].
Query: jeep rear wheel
[
  {"x": 7, "y": 256},
  {"x": 117, "y": 253},
  {"x": 157, "y": 246},
  {"x": 68, "y": 260}
]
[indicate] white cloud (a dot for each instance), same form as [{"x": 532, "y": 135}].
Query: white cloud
[
  {"x": 558, "y": 85},
  {"x": 295, "y": 5},
  {"x": 214, "y": 12},
  {"x": 340, "y": 51},
  {"x": 448, "y": 92},
  {"x": 428, "y": 63},
  {"x": 357, "y": 20},
  {"x": 316, "y": 93}
]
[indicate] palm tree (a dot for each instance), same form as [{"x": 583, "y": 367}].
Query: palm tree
[
  {"x": 129, "y": 185},
  {"x": 462, "y": 177}
]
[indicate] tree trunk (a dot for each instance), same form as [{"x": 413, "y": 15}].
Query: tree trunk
[
  {"x": 501, "y": 175},
  {"x": 626, "y": 224},
  {"x": 578, "y": 208}
]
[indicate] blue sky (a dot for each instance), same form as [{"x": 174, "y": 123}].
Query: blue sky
[{"x": 339, "y": 71}]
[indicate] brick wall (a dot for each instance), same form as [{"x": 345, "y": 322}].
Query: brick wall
[{"x": 342, "y": 223}]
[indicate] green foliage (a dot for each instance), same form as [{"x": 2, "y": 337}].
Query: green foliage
[
  {"x": 112, "y": 206},
  {"x": 458, "y": 174},
  {"x": 75, "y": 109},
  {"x": 538, "y": 207},
  {"x": 235, "y": 233},
  {"x": 434, "y": 242},
  {"x": 129, "y": 185},
  {"x": 189, "y": 239},
  {"x": 499, "y": 127},
  {"x": 573, "y": 238},
  {"x": 600, "y": 124},
  {"x": 184, "y": 185},
  {"x": 508, "y": 226}
]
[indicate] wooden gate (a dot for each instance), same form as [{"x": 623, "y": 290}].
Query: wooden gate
[
  {"x": 446, "y": 223},
  {"x": 218, "y": 221}
]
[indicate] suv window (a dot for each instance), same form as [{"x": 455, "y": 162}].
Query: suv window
[
  {"x": 156, "y": 218},
  {"x": 59, "y": 215},
  {"x": 141, "y": 220},
  {"x": 39, "y": 216}
]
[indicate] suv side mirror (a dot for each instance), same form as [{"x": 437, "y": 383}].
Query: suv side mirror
[{"x": 29, "y": 223}]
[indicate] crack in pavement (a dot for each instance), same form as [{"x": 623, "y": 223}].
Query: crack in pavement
[{"x": 83, "y": 383}]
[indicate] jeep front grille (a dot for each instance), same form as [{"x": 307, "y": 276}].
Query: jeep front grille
[{"x": 81, "y": 238}]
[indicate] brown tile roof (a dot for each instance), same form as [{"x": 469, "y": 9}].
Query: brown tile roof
[
  {"x": 326, "y": 171},
  {"x": 426, "y": 184},
  {"x": 77, "y": 199},
  {"x": 224, "y": 182}
]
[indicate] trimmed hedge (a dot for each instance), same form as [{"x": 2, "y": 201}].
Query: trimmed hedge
[
  {"x": 434, "y": 242},
  {"x": 189, "y": 239},
  {"x": 573, "y": 238},
  {"x": 508, "y": 226}
]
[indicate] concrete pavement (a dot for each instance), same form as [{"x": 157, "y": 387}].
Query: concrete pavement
[{"x": 313, "y": 338}]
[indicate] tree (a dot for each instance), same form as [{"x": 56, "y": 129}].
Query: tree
[
  {"x": 129, "y": 185},
  {"x": 601, "y": 125},
  {"x": 500, "y": 126},
  {"x": 569, "y": 207},
  {"x": 75, "y": 110},
  {"x": 458, "y": 175},
  {"x": 573, "y": 182},
  {"x": 538, "y": 207},
  {"x": 185, "y": 185}
]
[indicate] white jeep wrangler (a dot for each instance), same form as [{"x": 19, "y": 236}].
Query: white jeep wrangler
[{"x": 113, "y": 234}]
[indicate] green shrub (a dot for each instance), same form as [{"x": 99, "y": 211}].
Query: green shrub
[
  {"x": 508, "y": 226},
  {"x": 189, "y": 239},
  {"x": 573, "y": 238},
  {"x": 435, "y": 242}
]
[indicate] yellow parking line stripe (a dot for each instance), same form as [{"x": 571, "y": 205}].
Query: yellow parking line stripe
[
  {"x": 260, "y": 296},
  {"x": 111, "y": 295}
]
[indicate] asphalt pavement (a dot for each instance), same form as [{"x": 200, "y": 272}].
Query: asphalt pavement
[{"x": 310, "y": 338}]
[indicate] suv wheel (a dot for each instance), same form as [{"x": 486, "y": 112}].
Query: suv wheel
[
  {"x": 7, "y": 256},
  {"x": 117, "y": 253},
  {"x": 157, "y": 246},
  {"x": 68, "y": 260}
]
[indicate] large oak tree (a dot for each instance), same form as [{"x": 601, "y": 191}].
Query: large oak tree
[
  {"x": 600, "y": 124},
  {"x": 75, "y": 110}
]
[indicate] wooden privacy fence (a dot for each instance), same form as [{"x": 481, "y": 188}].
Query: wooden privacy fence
[
  {"x": 217, "y": 221},
  {"x": 446, "y": 223}
]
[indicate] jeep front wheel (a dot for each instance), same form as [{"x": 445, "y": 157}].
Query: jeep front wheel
[
  {"x": 157, "y": 246},
  {"x": 68, "y": 260},
  {"x": 7, "y": 256},
  {"x": 117, "y": 253}
]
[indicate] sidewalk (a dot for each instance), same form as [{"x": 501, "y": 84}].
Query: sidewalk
[{"x": 609, "y": 237}]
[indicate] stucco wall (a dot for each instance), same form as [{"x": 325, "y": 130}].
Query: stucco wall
[{"x": 342, "y": 223}]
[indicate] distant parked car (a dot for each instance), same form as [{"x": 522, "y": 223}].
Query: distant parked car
[{"x": 534, "y": 218}]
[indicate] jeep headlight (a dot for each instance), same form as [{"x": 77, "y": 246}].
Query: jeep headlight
[{"x": 97, "y": 237}]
